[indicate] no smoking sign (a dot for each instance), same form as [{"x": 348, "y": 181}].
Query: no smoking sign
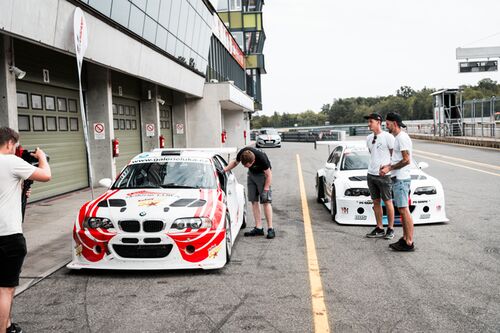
[
  {"x": 150, "y": 129},
  {"x": 99, "y": 131}
]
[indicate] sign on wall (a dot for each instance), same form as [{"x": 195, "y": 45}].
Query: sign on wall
[
  {"x": 220, "y": 31},
  {"x": 99, "y": 131}
]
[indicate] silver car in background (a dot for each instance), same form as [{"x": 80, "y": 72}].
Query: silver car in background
[{"x": 268, "y": 137}]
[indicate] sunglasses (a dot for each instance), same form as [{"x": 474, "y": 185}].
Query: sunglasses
[{"x": 374, "y": 139}]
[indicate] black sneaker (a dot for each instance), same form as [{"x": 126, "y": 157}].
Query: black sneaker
[
  {"x": 399, "y": 242},
  {"x": 14, "y": 328},
  {"x": 402, "y": 246},
  {"x": 270, "y": 233},
  {"x": 376, "y": 233},
  {"x": 389, "y": 234},
  {"x": 254, "y": 232}
]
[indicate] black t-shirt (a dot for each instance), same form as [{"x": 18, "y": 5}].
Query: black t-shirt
[{"x": 261, "y": 163}]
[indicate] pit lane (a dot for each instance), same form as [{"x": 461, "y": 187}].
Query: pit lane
[{"x": 450, "y": 283}]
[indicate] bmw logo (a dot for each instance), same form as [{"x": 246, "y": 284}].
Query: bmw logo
[{"x": 142, "y": 214}]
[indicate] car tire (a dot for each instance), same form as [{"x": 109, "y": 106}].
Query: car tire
[
  {"x": 333, "y": 204},
  {"x": 228, "y": 237},
  {"x": 320, "y": 190},
  {"x": 244, "y": 223}
]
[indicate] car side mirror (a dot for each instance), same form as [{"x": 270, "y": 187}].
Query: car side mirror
[
  {"x": 423, "y": 165},
  {"x": 105, "y": 182}
]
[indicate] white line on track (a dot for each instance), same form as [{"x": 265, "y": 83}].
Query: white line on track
[
  {"x": 457, "y": 159},
  {"x": 458, "y": 165}
]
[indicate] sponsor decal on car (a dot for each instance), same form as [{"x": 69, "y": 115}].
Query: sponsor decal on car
[
  {"x": 148, "y": 202},
  {"x": 360, "y": 217},
  {"x": 170, "y": 159},
  {"x": 367, "y": 202},
  {"x": 425, "y": 216},
  {"x": 145, "y": 193},
  {"x": 214, "y": 250},
  {"x": 345, "y": 210}
]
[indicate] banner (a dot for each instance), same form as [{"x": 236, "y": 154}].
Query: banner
[{"x": 81, "y": 41}]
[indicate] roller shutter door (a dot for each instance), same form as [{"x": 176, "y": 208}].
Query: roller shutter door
[
  {"x": 49, "y": 118},
  {"x": 166, "y": 124},
  {"x": 127, "y": 125}
]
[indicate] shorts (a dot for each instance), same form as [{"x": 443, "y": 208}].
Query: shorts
[
  {"x": 255, "y": 185},
  {"x": 12, "y": 253},
  {"x": 380, "y": 187},
  {"x": 401, "y": 190}
]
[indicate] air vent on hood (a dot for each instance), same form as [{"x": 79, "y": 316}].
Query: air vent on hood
[
  {"x": 357, "y": 178},
  {"x": 182, "y": 202},
  {"x": 112, "y": 203},
  {"x": 198, "y": 203}
]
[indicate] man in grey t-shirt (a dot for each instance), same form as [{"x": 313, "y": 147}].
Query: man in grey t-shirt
[{"x": 13, "y": 172}]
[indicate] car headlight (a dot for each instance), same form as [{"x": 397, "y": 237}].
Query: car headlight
[
  {"x": 425, "y": 190},
  {"x": 97, "y": 222},
  {"x": 356, "y": 192},
  {"x": 192, "y": 222}
]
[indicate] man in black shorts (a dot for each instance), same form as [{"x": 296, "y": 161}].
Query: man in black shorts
[
  {"x": 13, "y": 171},
  {"x": 259, "y": 186}
]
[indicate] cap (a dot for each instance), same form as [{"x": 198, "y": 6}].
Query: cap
[
  {"x": 393, "y": 116},
  {"x": 374, "y": 116}
]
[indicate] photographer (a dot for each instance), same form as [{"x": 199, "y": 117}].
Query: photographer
[{"x": 13, "y": 172}]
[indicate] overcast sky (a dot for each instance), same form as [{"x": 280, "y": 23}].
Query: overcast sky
[{"x": 318, "y": 50}]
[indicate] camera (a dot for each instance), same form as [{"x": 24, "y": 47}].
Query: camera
[{"x": 26, "y": 155}]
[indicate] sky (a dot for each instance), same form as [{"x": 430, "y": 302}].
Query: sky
[{"x": 320, "y": 50}]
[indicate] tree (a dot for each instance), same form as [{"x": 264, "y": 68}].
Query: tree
[{"x": 405, "y": 92}]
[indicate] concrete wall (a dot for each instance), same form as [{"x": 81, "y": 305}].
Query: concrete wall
[
  {"x": 205, "y": 123},
  {"x": 99, "y": 110},
  {"x": 234, "y": 125},
  {"x": 180, "y": 138},
  {"x": 8, "y": 97},
  {"x": 150, "y": 115},
  {"x": 50, "y": 22}
]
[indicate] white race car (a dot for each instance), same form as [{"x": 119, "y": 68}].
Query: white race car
[
  {"x": 342, "y": 187},
  {"x": 268, "y": 137},
  {"x": 168, "y": 209}
]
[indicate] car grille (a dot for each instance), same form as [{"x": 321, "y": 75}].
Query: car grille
[
  {"x": 152, "y": 226},
  {"x": 143, "y": 251},
  {"x": 130, "y": 225}
]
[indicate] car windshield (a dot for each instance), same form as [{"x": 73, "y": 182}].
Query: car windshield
[
  {"x": 355, "y": 160},
  {"x": 269, "y": 132},
  {"x": 167, "y": 174}
]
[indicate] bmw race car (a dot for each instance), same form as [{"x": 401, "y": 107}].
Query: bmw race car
[
  {"x": 268, "y": 137},
  {"x": 342, "y": 187},
  {"x": 168, "y": 209}
]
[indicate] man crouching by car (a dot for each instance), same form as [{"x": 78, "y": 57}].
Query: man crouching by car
[
  {"x": 259, "y": 186},
  {"x": 13, "y": 171}
]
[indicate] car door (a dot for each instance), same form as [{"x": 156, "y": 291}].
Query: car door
[
  {"x": 331, "y": 169},
  {"x": 231, "y": 193}
]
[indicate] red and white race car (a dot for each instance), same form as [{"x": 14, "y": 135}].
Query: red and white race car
[{"x": 168, "y": 209}]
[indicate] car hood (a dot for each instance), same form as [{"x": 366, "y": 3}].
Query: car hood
[
  {"x": 357, "y": 178},
  {"x": 164, "y": 204},
  {"x": 269, "y": 137}
]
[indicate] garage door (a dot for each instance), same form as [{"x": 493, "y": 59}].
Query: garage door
[
  {"x": 166, "y": 124},
  {"x": 127, "y": 124},
  {"x": 49, "y": 118}
]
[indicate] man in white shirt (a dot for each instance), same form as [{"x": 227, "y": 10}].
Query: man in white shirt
[
  {"x": 380, "y": 145},
  {"x": 400, "y": 170},
  {"x": 13, "y": 172}
]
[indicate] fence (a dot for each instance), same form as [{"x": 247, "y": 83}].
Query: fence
[{"x": 480, "y": 118}]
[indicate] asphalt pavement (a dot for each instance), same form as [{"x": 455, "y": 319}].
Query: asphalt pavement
[{"x": 449, "y": 284}]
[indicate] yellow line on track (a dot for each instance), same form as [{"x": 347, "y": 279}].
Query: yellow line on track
[
  {"x": 320, "y": 315},
  {"x": 458, "y": 165},
  {"x": 457, "y": 159}
]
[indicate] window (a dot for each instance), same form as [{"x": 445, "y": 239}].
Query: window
[
  {"x": 72, "y": 105},
  {"x": 136, "y": 21},
  {"x": 153, "y": 8},
  {"x": 50, "y": 103},
  {"x": 120, "y": 109},
  {"x": 164, "y": 13},
  {"x": 36, "y": 102},
  {"x": 132, "y": 111},
  {"x": 238, "y": 36},
  {"x": 104, "y": 6},
  {"x": 22, "y": 100},
  {"x": 116, "y": 124},
  {"x": 121, "y": 11},
  {"x": 63, "y": 123},
  {"x": 234, "y": 5},
  {"x": 134, "y": 125},
  {"x": 127, "y": 124},
  {"x": 23, "y": 123},
  {"x": 115, "y": 109},
  {"x": 51, "y": 123},
  {"x": 126, "y": 110},
  {"x": 122, "y": 124},
  {"x": 149, "y": 32},
  {"x": 73, "y": 124},
  {"x": 38, "y": 125},
  {"x": 161, "y": 38},
  {"x": 61, "y": 104}
]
